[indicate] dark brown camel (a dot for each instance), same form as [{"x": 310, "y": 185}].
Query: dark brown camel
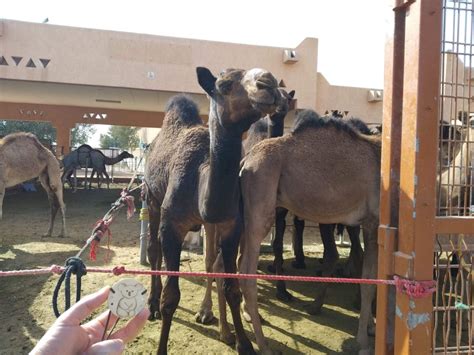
[
  {"x": 98, "y": 162},
  {"x": 273, "y": 176},
  {"x": 87, "y": 157},
  {"x": 192, "y": 178}
]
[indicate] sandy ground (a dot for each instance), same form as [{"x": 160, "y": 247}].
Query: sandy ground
[{"x": 25, "y": 302}]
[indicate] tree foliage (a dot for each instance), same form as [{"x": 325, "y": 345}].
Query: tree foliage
[
  {"x": 122, "y": 137},
  {"x": 43, "y": 130},
  {"x": 81, "y": 134}
]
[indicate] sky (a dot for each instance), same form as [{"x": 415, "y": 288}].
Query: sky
[{"x": 351, "y": 33}]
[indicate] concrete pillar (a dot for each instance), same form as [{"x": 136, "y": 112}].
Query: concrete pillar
[{"x": 63, "y": 136}]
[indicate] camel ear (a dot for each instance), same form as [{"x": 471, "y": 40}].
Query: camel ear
[
  {"x": 206, "y": 80},
  {"x": 292, "y": 94}
]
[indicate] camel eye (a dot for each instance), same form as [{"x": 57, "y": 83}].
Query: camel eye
[{"x": 224, "y": 86}]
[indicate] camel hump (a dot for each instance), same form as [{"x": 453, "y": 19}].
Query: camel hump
[
  {"x": 354, "y": 127},
  {"x": 21, "y": 137},
  {"x": 182, "y": 109}
]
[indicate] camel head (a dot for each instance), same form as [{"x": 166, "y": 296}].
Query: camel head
[
  {"x": 240, "y": 97},
  {"x": 284, "y": 105},
  {"x": 126, "y": 155}
]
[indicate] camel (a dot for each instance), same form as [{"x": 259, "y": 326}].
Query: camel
[
  {"x": 87, "y": 157},
  {"x": 274, "y": 128},
  {"x": 23, "y": 157},
  {"x": 78, "y": 158},
  {"x": 192, "y": 178},
  {"x": 347, "y": 192},
  {"x": 98, "y": 162}
]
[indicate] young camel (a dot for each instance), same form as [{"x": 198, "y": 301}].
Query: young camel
[
  {"x": 273, "y": 176},
  {"x": 268, "y": 128},
  {"x": 23, "y": 157},
  {"x": 192, "y": 178}
]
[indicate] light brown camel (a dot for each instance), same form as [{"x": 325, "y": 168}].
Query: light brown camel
[
  {"x": 293, "y": 172},
  {"x": 192, "y": 178},
  {"x": 23, "y": 157}
]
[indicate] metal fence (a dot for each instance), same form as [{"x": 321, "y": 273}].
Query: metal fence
[{"x": 453, "y": 303}]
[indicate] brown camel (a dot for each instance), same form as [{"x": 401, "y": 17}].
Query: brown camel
[
  {"x": 347, "y": 192},
  {"x": 268, "y": 128},
  {"x": 192, "y": 178},
  {"x": 272, "y": 125},
  {"x": 23, "y": 157}
]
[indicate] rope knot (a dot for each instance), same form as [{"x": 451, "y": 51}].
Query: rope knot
[
  {"x": 129, "y": 201},
  {"x": 76, "y": 265},
  {"x": 415, "y": 289},
  {"x": 56, "y": 269},
  {"x": 118, "y": 270}
]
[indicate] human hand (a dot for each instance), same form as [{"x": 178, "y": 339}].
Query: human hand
[{"x": 68, "y": 336}]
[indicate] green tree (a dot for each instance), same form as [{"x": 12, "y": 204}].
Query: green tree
[
  {"x": 43, "y": 130},
  {"x": 81, "y": 134},
  {"x": 122, "y": 137}
]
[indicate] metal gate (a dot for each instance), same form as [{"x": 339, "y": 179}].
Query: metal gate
[{"x": 426, "y": 229}]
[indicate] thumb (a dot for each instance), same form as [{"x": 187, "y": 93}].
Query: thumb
[{"x": 109, "y": 347}]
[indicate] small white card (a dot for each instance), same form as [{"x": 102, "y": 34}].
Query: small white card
[{"x": 127, "y": 298}]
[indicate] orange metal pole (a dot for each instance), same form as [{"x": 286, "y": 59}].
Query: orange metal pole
[{"x": 414, "y": 258}]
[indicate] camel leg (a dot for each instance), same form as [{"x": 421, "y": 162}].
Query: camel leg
[
  {"x": 229, "y": 235},
  {"x": 107, "y": 179},
  {"x": 280, "y": 225},
  {"x": 171, "y": 242},
  {"x": 75, "y": 180},
  {"x": 330, "y": 259},
  {"x": 353, "y": 267},
  {"x": 92, "y": 177},
  {"x": 2, "y": 195},
  {"x": 225, "y": 333},
  {"x": 53, "y": 205},
  {"x": 298, "y": 263},
  {"x": 155, "y": 258},
  {"x": 53, "y": 181},
  {"x": 340, "y": 234},
  {"x": 369, "y": 270},
  {"x": 248, "y": 265},
  {"x": 58, "y": 191},
  {"x": 205, "y": 315}
]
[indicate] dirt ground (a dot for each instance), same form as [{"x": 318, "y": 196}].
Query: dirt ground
[{"x": 25, "y": 302}]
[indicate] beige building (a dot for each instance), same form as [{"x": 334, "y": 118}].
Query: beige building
[{"x": 69, "y": 75}]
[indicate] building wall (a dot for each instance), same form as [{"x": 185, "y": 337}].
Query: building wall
[
  {"x": 59, "y": 66},
  {"x": 139, "y": 61},
  {"x": 344, "y": 98}
]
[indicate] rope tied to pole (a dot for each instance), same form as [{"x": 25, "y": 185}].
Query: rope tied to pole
[
  {"x": 73, "y": 266},
  {"x": 415, "y": 289}
]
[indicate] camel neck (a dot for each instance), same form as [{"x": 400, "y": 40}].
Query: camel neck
[
  {"x": 276, "y": 125},
  {"x": 221, "y": 200},
  {"x": 112, "y": 161}
]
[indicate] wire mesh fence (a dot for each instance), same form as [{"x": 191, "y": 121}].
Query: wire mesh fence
[{"x": 453, "y": 303}]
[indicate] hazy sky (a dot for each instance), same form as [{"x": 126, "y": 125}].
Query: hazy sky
[{"x": 351, "y": 33}]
